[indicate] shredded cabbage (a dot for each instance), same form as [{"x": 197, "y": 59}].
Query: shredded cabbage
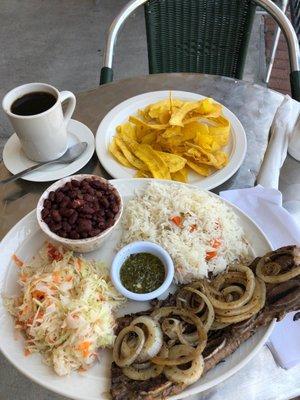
[{"x": 65, "y": 308}]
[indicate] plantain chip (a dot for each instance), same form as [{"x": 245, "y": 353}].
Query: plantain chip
[
  {"x": 199, "y": 154},
  {"x": 171, "y": 132},
  {"x": 179, "y": 114},
  {"x": 139, "y": 122},
  {"x": 209, "y": 108},
  {"x": 222, "y": 159},
  {"x": 154, "y": 162},
  {"x": 118, "y": 155},
  {"x": 181, "y": 175},
  {"x": 143, "y": 174},
  {"x": 131, "y": 158},
  {"x": 149, "y": 138},
  {"x": 221, "y": 130},
  {"x": 128, "y": 131},
  {"x": 174, "y": 162},
  {"x": 201, "y": 169},
  {"x": 193, "y": 130}
]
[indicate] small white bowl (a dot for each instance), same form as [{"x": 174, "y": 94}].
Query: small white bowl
[
  {"x": 79, "y": 245},
  {"x": 141, "y": 247}
]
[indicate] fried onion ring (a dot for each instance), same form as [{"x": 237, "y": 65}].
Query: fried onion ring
[
  {"x": 236, "y": 274},
  {"x": 268, "y": 269},
  {"x": 128, "y": 357},
  {"x": 154, "y": 338},
  {"x": 186, "y": 376},
  {"x": 248, "y": 310},
  {"x": 142, "y": 374},
  {"x": 165, "y": 312},
  {"x": 208, "y": 317}
]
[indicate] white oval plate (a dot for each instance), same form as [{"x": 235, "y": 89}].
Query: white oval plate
[
  {"x": 118, "y": 115},
  {"x": 25, "y": 238},
  {"x": 15, "y": 159}
]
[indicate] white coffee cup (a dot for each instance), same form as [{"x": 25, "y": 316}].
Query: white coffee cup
[{"x": 43, "y": 136}]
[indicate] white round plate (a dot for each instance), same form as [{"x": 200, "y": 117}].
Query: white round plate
[
  {"x": 236, "y": 149},
  {"x": 24, "y": 240},
  {"x": 15, "y": 159}
]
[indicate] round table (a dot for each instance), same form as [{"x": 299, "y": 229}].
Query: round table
[{"x": 255, "y": 106}]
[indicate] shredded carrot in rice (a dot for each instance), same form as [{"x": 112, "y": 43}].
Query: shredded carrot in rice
[{"x": 177, "y": 220}]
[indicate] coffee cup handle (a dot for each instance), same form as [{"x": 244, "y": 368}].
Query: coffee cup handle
[{"x": 65, "y": 95}]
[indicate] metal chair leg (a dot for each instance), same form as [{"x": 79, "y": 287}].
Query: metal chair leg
[{"x": 275, "y": 45}]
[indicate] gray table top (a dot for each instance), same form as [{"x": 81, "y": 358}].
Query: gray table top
[{"x": 255, "y": 106}]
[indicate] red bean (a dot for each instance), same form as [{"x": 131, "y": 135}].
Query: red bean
[
  {"x": 90, "y": 191},
  {"x": 51, "y": 196},
  {"x": 45, "y": 212},
  {"x": 87, "y": 210},
  {"x": 109, "y": 215},
  {"x": 75, "y": 183},
  {"x": 73, "y": 194},
  {"x": 95, "y": 232},
  {"x": 55, "y": 226},
  {"x": 65, "y": 203},
  {"x": 84, "y": 225},
  {"x": 47, "y": 203},
  {"x": 48, "y": 220},
  {"x": 115, "y": 208},
  {"x": 66, "y": 212},
  {"x": 74, "y": 235},
  {"x": 89, "y": 198},
  {"x": 73, "y": 218},
  {"x": 59, "y": 196},
  {"x": 55, "y": 215},
  {"x": 62, "y": 233},
  {"x": 77, "y": 203},
  {"x": 66, "y": 226},
  {"x": 104, "y": 202},
  {"x": 96, "y": 184}
]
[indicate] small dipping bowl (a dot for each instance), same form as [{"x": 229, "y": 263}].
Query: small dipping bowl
[
  {"x": 135, "y": 248},
  {"x": 78, "y": 245}
]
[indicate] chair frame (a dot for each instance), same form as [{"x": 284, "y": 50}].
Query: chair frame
[{"x": 272, "y": 9}]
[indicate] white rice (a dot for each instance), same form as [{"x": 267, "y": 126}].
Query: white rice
[{"x": 148, "y": 217}]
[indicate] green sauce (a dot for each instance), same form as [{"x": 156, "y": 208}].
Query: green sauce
[{"x": 142, "y": 273}]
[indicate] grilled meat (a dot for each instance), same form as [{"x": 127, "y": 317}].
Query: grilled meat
[{"x": 281, "y": 299}]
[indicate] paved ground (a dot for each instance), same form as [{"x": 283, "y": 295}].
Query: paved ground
[{"x": 61, "y": 42}]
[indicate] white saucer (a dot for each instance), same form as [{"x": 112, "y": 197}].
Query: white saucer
[{"x": 15, "y": 160}]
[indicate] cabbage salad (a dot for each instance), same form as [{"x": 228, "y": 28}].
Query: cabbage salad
[{"x": 66, "y": 308}]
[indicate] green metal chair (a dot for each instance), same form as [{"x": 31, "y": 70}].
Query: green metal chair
[{"x": 205, "y": 36}]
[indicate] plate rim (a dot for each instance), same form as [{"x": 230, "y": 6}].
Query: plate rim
[
  {"x": 207, "y": 183},
  {"x": 87, "y": 155},
  {"x": 188, "y": 391}
]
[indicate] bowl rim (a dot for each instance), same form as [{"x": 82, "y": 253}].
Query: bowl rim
[
  {"x": 133, "y": 248},
  {"x": 61, "y": 182}
]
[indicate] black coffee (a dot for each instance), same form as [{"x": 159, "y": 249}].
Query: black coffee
[{"x": 33, "y": 103}]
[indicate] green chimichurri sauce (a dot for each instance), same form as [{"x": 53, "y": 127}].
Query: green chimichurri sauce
[{"x": 142, "y": 273}]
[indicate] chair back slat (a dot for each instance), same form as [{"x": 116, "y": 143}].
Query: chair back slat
[{"x": 208, "y": 36}]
